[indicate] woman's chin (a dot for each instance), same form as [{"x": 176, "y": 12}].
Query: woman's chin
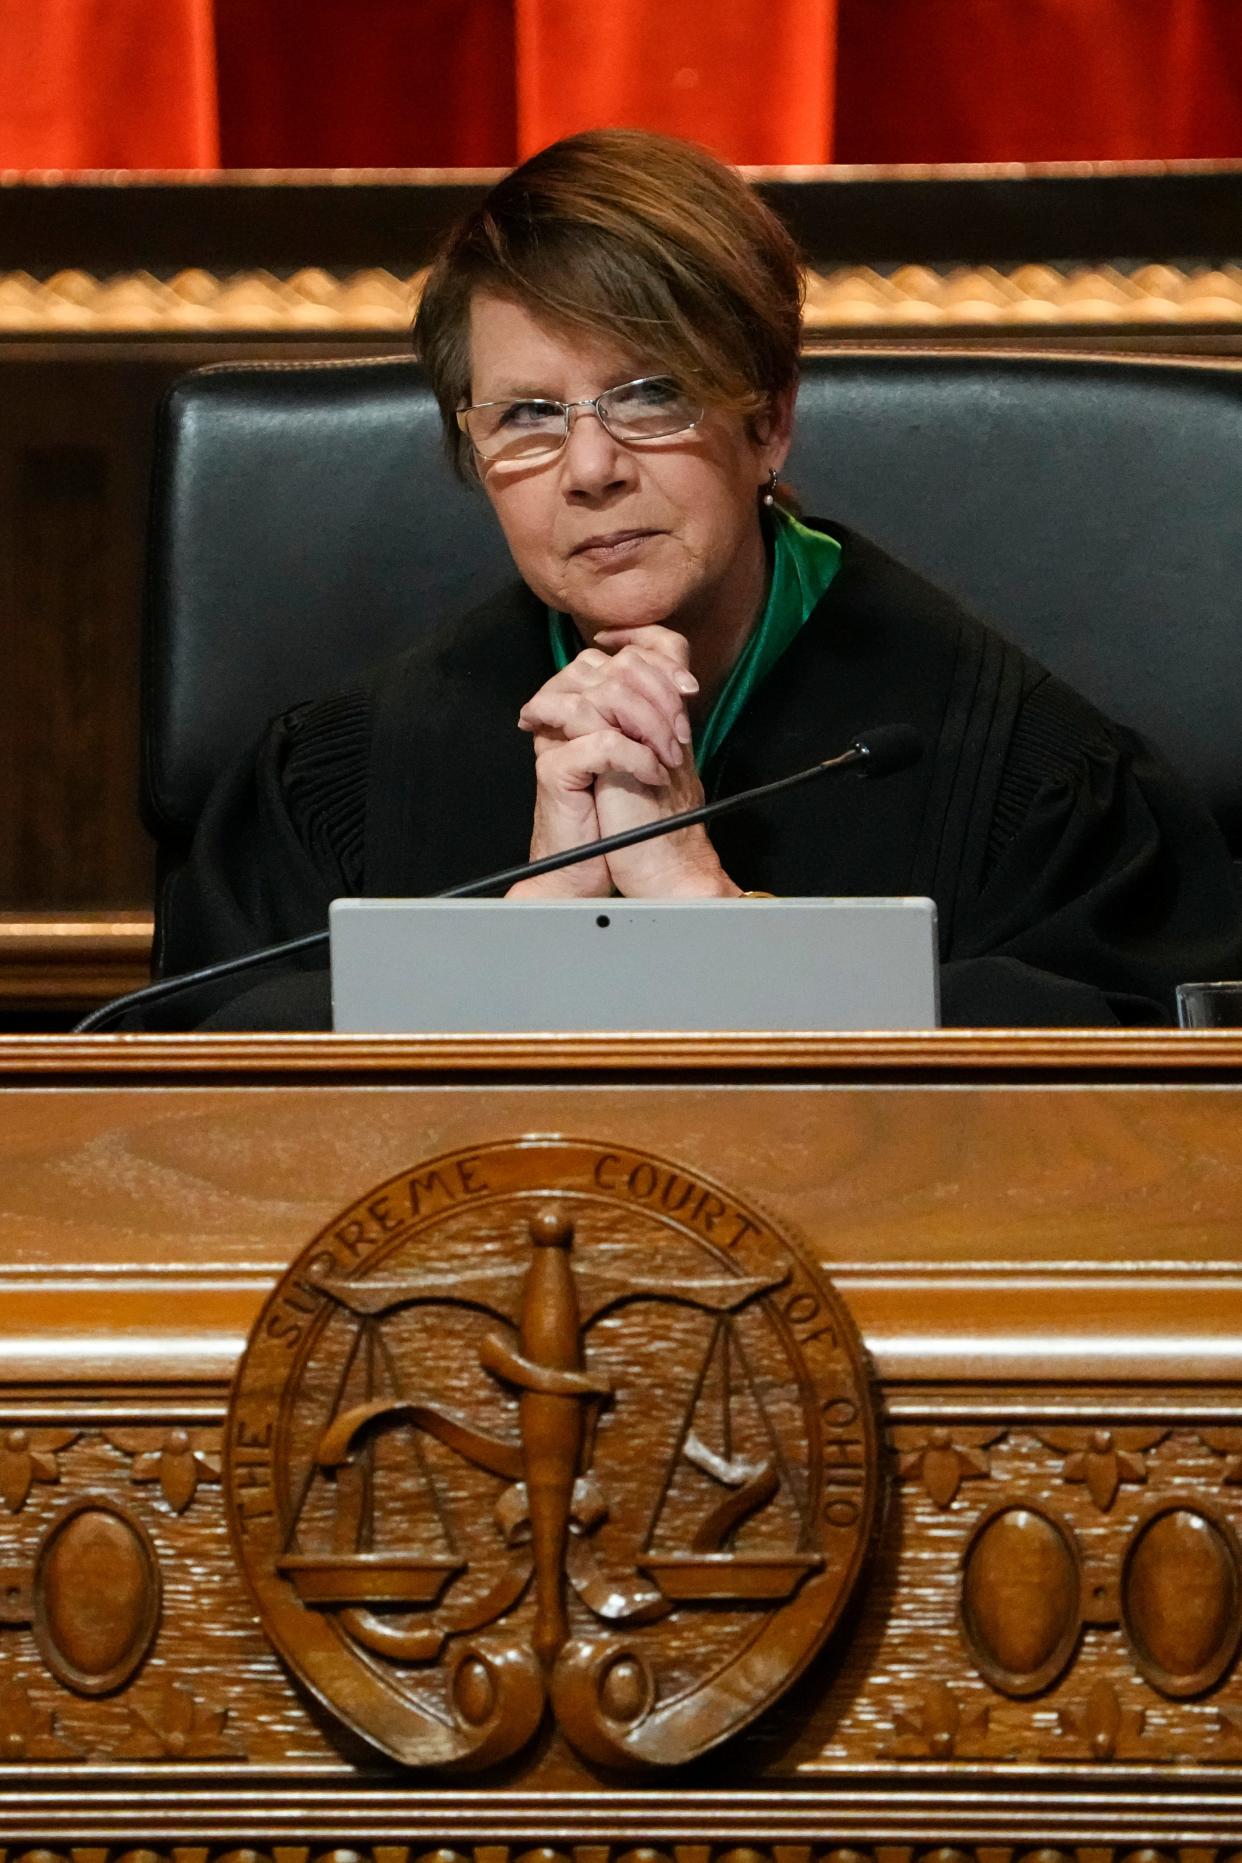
[{"x": 628, "y": 602}]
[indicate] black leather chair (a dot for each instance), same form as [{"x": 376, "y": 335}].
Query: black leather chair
[{"x": 305, "y": 520}]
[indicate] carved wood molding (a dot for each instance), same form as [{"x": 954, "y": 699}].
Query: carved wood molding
[
  {"x": 134, "y": 1314},
  {"x": 142, "y": 1818},
  {"x": 551, "y": 1847},
  {"x": 65, "y": 959},
  {"x": 1025, "y": 296},
  {"x": 1026, "y": 1623},
  {"x": 314, "y": 301},
  {"x": 74, "y": 303},
  {"x": 922, "y": 1703},
  {"x": 243, "y": 179},
  {"x": 998, "y": 1054}
]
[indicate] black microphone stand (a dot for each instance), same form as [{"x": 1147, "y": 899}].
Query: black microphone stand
[{"x": 886, "y": 748}]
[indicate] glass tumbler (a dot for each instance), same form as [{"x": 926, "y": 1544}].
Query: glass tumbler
[{"x": 1209, "y": 1005}]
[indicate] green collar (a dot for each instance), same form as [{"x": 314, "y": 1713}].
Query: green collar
[{"x": 804, "y": 563}]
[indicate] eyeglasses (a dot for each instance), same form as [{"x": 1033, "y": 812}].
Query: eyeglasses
[{"x": 513, "y": 432}]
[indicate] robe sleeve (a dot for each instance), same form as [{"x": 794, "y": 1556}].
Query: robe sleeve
[
  {"x": 281, "y": 836},
  {"x": 1105, "y": 883}
]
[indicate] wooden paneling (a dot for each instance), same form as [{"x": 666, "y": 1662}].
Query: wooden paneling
[
  {"x": 1002, "y": 213},
  {"x": 69, "y": 961},
  {"x": 1038, "y": 1240},
  {"x": 76, "y": 431},
  {"x": 71, "y": 490}
]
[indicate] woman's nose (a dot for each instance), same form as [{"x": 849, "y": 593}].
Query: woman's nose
[{"x": 592, "y": 459}]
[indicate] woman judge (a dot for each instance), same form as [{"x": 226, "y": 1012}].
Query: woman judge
[{"x": 613, "y": 338}]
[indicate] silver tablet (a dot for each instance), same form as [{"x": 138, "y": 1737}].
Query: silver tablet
[{"x": 487, "y": 966}]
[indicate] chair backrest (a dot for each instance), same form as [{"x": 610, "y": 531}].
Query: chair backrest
[{"x": 305, "y": 521}]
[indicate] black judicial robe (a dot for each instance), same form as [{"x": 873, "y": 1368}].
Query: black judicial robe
[{"x": 1076, "y": 879}]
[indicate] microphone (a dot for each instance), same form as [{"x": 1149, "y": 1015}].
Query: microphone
[
  {"x": 885, "y": 749},
  {"x": 880, "y": 751}
]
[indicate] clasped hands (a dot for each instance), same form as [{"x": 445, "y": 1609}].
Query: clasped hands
[{"x": 612, "y": 751}]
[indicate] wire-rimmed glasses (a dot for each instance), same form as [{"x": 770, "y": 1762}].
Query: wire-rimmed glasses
[{"x": 513, "y": 432}]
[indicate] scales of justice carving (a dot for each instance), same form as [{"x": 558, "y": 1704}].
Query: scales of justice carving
[{"x": 575, "y": 1476}]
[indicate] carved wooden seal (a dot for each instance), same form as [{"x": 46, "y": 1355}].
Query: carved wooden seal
[{"x": 555, "y": 1428}]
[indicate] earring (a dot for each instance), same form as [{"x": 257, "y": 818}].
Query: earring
[{"x": 769, "y": 491}]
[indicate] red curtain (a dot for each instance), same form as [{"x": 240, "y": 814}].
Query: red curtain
[
  {"x": 1038, "y": 80},
  {"x": 315, "y": 83},
  {"x": 370, "y": 84},
  {"x": 751, "y": 78},
  {"x": 108, "y": 84}
]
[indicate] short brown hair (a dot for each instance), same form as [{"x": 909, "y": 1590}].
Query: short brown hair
[{"x": 641, "y": 237}]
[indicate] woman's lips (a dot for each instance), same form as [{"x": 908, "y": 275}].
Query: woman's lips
[{"x": 617, "y": 547}]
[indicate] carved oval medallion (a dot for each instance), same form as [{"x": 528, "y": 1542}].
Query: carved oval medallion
[
  {"x": 551, "y": 1428},
  {"x": 1181, "y": 1598},
  {"x": 96, "y": 1594},
  {"x": 1021, "y": 1592}
]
